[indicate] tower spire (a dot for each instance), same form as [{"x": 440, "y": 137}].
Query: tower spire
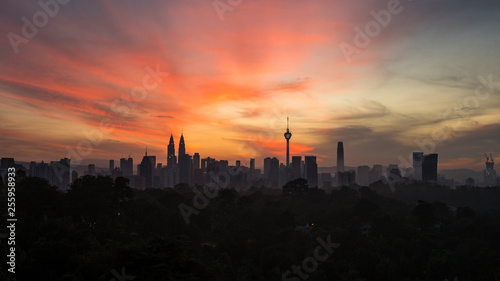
[{"x": 146, "y": 150}]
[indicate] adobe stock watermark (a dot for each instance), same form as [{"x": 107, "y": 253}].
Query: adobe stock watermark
[
  {"x": 221, "y": 7},
  {"x": 483, "y": 91},
  {"x": 363, "y": 37},
  {"x": 310, "y": 264},
  {"x": 201, "y": 200},
  {"x": 40, "y": 19}
]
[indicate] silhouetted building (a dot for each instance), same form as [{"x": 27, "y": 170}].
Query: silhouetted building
[
  {"x": 185, "y": 169},
  {"x": 182, "y": 146},
  {"x": 429, "y": 167},
  {"x": 325, "y": 180},
  {"x": 271, "y": 171},
  {"x": 146, "y": 169},
  {"x": 286, "y": 171},
  {"x": 196, "y": 160},
  {"x": 6, "y": 163},
  {"x": 418, "y": 160},
  {"x": 287, "y": 135},
  {"x": 61, "y": 174},
  {"x": 490, "y": 175},
  {"x": 375, "y": 173},
  {"x": 111, "y": 166},
  {"x": 296, "y": 169},
  {"x": 340, "y": 156},
  {"x": 42, "y": 170},
  {"x": 91, "y": 170},
  {"x": 346, "y": 178},
  {"x": 251, "y": 175},
  {"x": 127, "y": 167},
  {"x": 311, "y": 171},
  {"x": 393, "y": 173},
  {"x": 171, "y": 159},
  {"x": 363, "y": 176}
]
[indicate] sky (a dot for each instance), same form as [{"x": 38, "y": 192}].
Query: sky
[{"x": 104, "y": 79}]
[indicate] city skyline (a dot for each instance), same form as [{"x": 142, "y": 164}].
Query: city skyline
[{"x": 229, "y": 81}]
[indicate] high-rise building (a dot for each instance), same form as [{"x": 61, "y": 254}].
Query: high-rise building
[
  {"x": 340, "y": 156},
  {"x": 42, "y": 170},
  {"x": 346, "y": 178},
  {"x": 394, "y": 173},
  {"x": 311, "y": 171},
  {"x": 363, "y": 176},
  {"x": 91, "y": 170},
  {"x": 6, "y": 163},
  {"x": 127, "y": 167},
  {"x": 182, "y": 146},
  {"x": 296, "y": 169},
  {"x": 146, "y": 169},
  {"x": 111, "y": 166},
  {"x": 196, "y": 160},
  {"x": 418, "y": 160},
  {"x": 185, "y": 169},
  {"x": 271, "y": 171},
  {"x": 252, "y": 164},
  {"x": 58, "y": 173},
  {"x": 325, "y": 180},
  {"x": 376, "y": 173},
  {"x": 490, "y": 175},
  {"x": 429, "y": 167},
  {"x": 171, "y": 160}
]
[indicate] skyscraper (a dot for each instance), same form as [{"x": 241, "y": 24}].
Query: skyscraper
[
  {"x": 91, "y": 170},
  {"x": 311, "y": 170},
  {"x": 376, "y": 173},
  {"x": 363, "y": 176},
  {"x": 429, "y": 167},
  {"x": 196, "y": 161},
  {"x": 490, "y": 175},
  {"x": 185, "y": 169},
  {"x": 296, "y": 170},
  {"x": 111, "y": 166},
  {"x": 418, "y": 159},
  {"x": 127, "y": 167},
  {"x": 340, "y": 157},
  {"x": 182, "y": 146},
  {"x": 171, "y": 160},
  {"x": 146, "y": 169},
  {"x": 271, "y": 171}
]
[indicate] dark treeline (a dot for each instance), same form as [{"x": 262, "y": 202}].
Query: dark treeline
[{"x": 101, "y": 226}]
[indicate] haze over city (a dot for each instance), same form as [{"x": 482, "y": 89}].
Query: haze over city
[{"x": 228, "y": 79}]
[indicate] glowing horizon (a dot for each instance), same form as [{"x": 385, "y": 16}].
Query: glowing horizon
[{"x": 430, "y": 72}]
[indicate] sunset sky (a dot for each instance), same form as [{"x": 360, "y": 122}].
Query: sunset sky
[{"x": 431, "y": 76}]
